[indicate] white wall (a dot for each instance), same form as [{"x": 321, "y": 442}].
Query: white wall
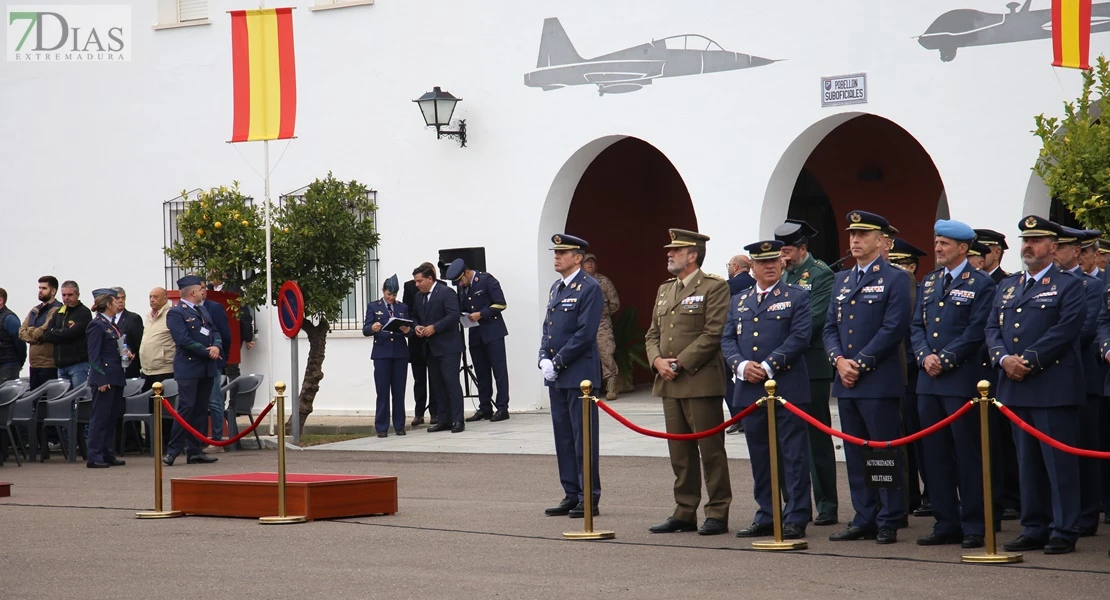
[{"x": 91, "y": 150}]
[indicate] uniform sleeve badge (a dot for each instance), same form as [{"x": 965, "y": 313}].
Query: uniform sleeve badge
[
  {"x": 875, "y": 269},
  {"x": 965, "y": 275}
]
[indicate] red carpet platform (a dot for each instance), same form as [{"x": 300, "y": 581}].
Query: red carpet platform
[
  {"x": 313, "y": 496},
  {"x": 5, "y": 489}
]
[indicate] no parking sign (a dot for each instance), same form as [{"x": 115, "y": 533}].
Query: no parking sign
[{"x": 290, "y": 309}]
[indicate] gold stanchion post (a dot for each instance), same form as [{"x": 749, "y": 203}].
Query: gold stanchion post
[
  {"x": 773, "y": 441},
  {"x": 281, "y": 517},
  {"x": 588, "y": 532},
  {"x": 156, "y": 450},
  {"x": 990, "y": 556}
]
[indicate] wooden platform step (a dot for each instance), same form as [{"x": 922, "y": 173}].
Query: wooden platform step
[
  {"x": 309, "y": 495},
  {"x": 5, "y": 489}
]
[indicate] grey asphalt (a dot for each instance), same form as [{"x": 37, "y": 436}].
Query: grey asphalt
[{"x": 470, "y": 525}]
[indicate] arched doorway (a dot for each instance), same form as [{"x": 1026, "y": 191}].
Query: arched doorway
[
  {"x": 857, "y": 161},
  {"x": 621, "y": 194}
]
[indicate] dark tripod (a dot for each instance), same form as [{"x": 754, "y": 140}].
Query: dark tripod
[{"x": 467, "y": 371}]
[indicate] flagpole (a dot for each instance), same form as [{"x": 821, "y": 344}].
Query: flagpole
[{"x": 269, "y": 282}]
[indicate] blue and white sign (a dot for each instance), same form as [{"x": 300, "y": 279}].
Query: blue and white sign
[{"x": 844, "y": 89}]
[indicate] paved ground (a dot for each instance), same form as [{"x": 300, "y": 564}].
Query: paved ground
[{"x": 470, "y": 526}]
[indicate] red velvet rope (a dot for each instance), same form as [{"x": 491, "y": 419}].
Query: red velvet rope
[
  {"x": 676, "y": 436},
  {"x": 200, "y": 436},
  {"x": 1027, "y": 428},
  {"x": 909, "y": 439}
]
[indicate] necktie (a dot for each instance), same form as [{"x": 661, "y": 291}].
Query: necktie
[
  {"x": 562, "y": 286},
  {"x": 859, "y": 275},
  {"x": 947, "y": 282},
  {"x": 759, "y": 299},
  {"x": 1028, "y": 284}
]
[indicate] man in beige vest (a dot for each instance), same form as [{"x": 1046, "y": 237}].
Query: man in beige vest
[
  {"x": 684, "y": 348},
  {"x": 157, "y": 348}
]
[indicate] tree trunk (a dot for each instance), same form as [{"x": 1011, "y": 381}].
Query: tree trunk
[{"x": 314, "y": 369}]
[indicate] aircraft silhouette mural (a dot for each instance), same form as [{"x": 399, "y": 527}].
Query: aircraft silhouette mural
[
  {"x": 963, "y": 27},
  {"x": 630, "y": 69}
]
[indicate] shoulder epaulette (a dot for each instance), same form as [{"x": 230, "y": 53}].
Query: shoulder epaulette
[
  {"x": 671, "y": 279},
  {"x": 714, "y": 276}
]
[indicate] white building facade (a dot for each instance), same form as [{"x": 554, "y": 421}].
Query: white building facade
[{"x": 91, "y": 149}]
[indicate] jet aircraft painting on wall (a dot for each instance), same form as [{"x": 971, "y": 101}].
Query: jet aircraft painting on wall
[
  {"x": 629, "y": 70},
  {"x": 962, "y": 27}
]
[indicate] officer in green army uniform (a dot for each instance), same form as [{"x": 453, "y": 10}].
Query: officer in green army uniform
[
  {"x": 684, "y": 348},
  {"x": 815, "y": 277}
]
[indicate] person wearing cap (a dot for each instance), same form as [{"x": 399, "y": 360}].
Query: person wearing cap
[
  {"x": 437, "y": 322},
  {"x": 766, "y": 337},
  {"x": 947, "y": 331},
  {"x": 907, "y": 257},
  {"x": 1033, "y": 337},
  {"x": 1069, "y": 249},
  {"x": 606, "y": 341},
  {"x": 482, "y": 301},
  {"x": 1088, "y": 253},
  {"x": 977, "y": 253},
  {"x": 1103, "y": 255},
  {"x": 816, "y": 278},
  {"x": 684, "y": 347},
  {"x": 194, "y": 368},
  {"x": 426, "y": 399},
  {"x": 996, "y": 243},
  {"x": 568, "y": 356},
  {"x": 867, "y": 320},
  {"x": 390, "y": 356},
  {"x": 106, "y": 379}
]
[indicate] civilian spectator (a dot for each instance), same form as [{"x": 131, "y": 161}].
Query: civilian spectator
[
  {"x": 67, "y": 332},
  {"x": 41, "y": 352},
  {"x": 131, "y": 326},
  {"x": 13, "y": 352}
]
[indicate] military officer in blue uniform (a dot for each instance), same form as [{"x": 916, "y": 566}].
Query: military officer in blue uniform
[
  {"x": 947, "y": 330},
  {"x": 568, "y": 355},
  {"x": 766, "y": 337},
  {"x": 481, "y": 301},
  {"x": 391, "y": 357},
  {"x": 1033, "y": 337},
  {"x": 1070, "y": 245},
  {"x": 106, "y": 379},
  {"x": 194, "y": 368},
  {"x": 996, "y": 246},
  {"x": 867, "y": 320}
]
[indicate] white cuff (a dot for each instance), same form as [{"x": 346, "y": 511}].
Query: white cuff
[
  {"x": 768, "y": 370},
  {"x": 740, "y": 369}
]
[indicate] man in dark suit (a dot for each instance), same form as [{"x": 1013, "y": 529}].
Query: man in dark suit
[
  {"x": 481, "y": 302},
  {"x": 866, "y": 322},
  {"x": 194, "y": 368},
  {"x": 1038, "y": 351},
  {"x": 223, "y": 328},
  {"x": 425, "y": 399},
  {"x": 815, "y": 277},
  {"x": 766, "y": 337},
  {"x": 130, "y": 325},
  {"x": 739, "y": 278},
  {"x": 947, "y": 331},
  {"x": 437, "y": 323},
  {"x": 569, "y": 355}
]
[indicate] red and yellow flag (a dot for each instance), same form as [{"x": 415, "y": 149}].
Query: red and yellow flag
[
  {"x": 264, "y": 74},
  {"x": 1071, "y": 33}
]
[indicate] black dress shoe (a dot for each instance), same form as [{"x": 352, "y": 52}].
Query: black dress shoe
[
  {"x": 561, "y": 509},
  {"x": 673, "y": 525},
  {"x": 1106, "y": 518},
  {"x": 382, "y": 434},
  {"x": 972, "y": 541},
  {"x": 756, "y": 530},
  {"x": 438, "y": 427},
  {"x": 713, "y": 526},
  {"x": 500, "y": 415},
  {"x": 399, "y": 431},
  {"x": 925, "y": 510},
  {"x": 1023, "y": 543},
  {"x": 458, "y": 427},
  {"x": 735, "y": 428},
  {"x": 579, "y": 511},
  {"x": 480, "y": 415},
  {"x": 115, "y": 462},
  {"x": 433, "y": 421},
  {"x": 852, "y": 534},
  {"x": 167, "y": 459},
  {"x": 1059, "y": 546},
  {"x": 417, "y": 421},
  {"x": 793, "y": 531},
  {"x": 825, "y": 519},
  {"x": 201, "y": 459},
  {"x": 886, "y": 535},
  {"x": 1012, "y": 514},
  {"x": 1088, "y": 531},
  {"x": 940, "y": 539},
  {"x": 97, "y": 465}
]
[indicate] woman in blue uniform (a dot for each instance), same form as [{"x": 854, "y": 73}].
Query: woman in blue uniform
[
  {"x": 106, "y": 380},
  {"x": 390, "y": 356}
]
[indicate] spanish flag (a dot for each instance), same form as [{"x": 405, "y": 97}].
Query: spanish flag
[
  {"x": 1071, "y": 33},
  {"x": 264, "y": 74}
]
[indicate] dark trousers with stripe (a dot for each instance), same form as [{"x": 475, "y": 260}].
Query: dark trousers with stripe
[
  {"x": 490, "y": 366},
  {"x": 872, "y": 419},
  {"x": 390, "y": 376},
  {"x": 955, "y": 473},
  {"x": 566, "y": 423},
  {"x": 822, "y": 456},
  {"x": 192, "y": 405},
  {"x": 1049, "y": 477}
]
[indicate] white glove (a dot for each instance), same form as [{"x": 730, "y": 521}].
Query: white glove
[{"x": 548, "y": 369}]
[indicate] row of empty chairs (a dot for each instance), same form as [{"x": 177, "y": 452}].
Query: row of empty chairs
[{"x": 27, "y": 414}]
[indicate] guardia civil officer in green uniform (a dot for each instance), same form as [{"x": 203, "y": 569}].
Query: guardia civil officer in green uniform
[
  {"x": 815, "y": 277},
  {"x": 684, "y": 348}
]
